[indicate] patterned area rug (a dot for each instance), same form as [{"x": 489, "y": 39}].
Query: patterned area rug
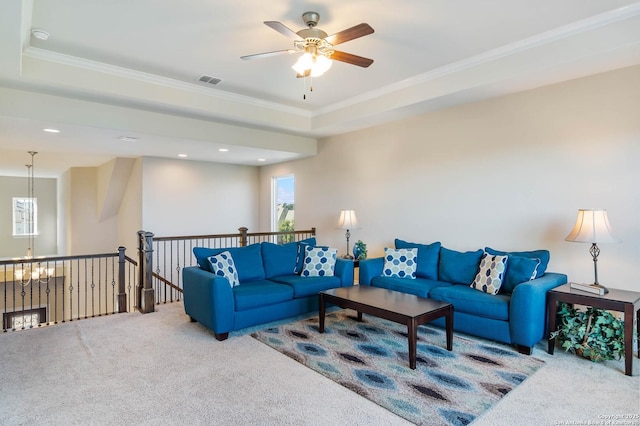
[{"x": 371, "y": 358}]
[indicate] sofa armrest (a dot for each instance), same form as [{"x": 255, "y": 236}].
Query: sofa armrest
[
  {"x": 344, "y": 271},
  {"x": 528, "y": 308},
  {"x": 208, "y": 299},
  {"x": 370, "y": 268}
]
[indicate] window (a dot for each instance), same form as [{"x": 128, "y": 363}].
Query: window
[
  {"x": 283, "y": 214},
  {"x": 25, "y": 216}
]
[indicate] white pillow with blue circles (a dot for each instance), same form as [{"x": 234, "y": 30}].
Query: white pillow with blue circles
[
  {"x": 400, "y": 263},
  {"x": 319, "y": 262},
  {"x": 490, "y": 274},
  {"x": 222, "y": 265}
]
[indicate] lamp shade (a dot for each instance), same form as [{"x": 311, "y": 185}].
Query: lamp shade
[
  {"x": 348, "y": 220},
  {"x": 592, "y": 226}
]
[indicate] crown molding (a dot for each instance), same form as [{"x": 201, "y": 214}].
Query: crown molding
[
  {"x": 560, "y": 33},
  {"x": 116, "y": 71}
]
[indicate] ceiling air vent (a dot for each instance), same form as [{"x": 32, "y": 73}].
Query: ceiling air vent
[{"x": 208, "y": 79}]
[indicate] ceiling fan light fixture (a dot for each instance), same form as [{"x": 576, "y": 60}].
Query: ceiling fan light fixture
[
  {"x": 314, "y": 65},
  {"x": 320, "y": 66}
]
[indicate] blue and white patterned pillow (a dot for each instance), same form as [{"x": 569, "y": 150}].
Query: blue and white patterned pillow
[
  {"x": 400, "y": 263},
  {"x": 222, "y": 265},
  {"x": 489, "y": 277},
  {"x": 319, "y": 262}
]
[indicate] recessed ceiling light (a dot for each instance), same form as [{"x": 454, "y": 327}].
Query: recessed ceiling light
[
  {"x": 51, "y": 130},
  {"x": 39, "y": 34},
  {"x": 127, "y": 139},
  {"x": 182, "y": 155},
  {"x": 223, "y": 150},
  {"x": 262, "y": 159}
]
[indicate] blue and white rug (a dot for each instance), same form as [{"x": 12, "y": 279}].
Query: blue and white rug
[{"x": 371, "y": 359}]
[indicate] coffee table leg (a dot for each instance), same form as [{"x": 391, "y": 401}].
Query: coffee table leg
[
  {"x": 412, "y": 331},
  {"x": 321, "y": 311},
  {"x": 449, "y": 324}
]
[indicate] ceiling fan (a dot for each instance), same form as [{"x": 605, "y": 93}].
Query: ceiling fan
[{"x": 316, "y": 46}]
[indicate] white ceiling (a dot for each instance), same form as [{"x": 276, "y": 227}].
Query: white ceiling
[{"x": 129, "y": 68}]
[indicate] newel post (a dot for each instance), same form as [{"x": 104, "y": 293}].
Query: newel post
[
  {"x": 243, "y": 236},
  {"x": 122, "y": 294},
  {"x": 145, "y": 268}
]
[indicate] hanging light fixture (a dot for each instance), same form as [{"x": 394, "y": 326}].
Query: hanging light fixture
[{"x": 30, "y": 206}]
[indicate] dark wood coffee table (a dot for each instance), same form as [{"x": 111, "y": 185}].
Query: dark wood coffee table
[{"x": 391, "y": 305}]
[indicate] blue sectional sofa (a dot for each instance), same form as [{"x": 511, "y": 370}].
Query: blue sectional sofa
[
  {"x": 272, "y": 285},
  {"x": 515, "y": 315}
]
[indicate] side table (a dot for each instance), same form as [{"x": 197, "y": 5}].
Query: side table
[{"x": 616, "y": 300}]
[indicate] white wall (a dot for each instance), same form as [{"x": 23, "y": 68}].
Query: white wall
[
  {"x": 182, "y": 197},
  {"x": 510, "y": 173}
]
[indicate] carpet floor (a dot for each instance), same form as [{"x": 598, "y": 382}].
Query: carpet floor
[
  {"x": 371, "y": 359},
  {"x": 161, "y": 369}
]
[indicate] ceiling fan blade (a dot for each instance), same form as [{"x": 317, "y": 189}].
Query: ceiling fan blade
[
  {"x": 283, "y": 29},
  {"x": 360, "y": 30},
  {"x": 351, "y": 59},
  {"x": 268, "y": 54}
]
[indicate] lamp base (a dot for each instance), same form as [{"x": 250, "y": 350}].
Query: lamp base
[
  {"x": 347, "y": 256},
  {"x": 600, "y": 287}
]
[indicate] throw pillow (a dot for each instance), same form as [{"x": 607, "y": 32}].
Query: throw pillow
[
  {"x": 428, "y": 256},
  {"x": 519, "y": 270},
  {"x": 248, "y": 260},
  {"x": 458, "y": 267},
  {"x": 222, "y": 265},
  {"x": 400, "y": 263},
  {"x": 543, "y": 255},
  {"x": 319, "y": 262},
  {"x": 489, "y": 277},
  {"x": 279, "y": 259},
  {"x": 300, "y": 254}
]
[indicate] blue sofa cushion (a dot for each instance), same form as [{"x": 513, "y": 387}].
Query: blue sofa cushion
[
  {"x": 319, "y": 262},
  {"x": 308, "y": 286},
  {"x": 253, "y": 294},
  {"x": 473, "y": 302},
  {"x": 279, "y": 259},
  {"x": 400, "y": 263},
  {"x": 542, "y": 255},
  {"x": 301, "y": 253},
  {"x": 519, "y": 270},
  {"x": 458, "y": 267},
  {"x": 222, "y": 265},
  {"x": 428, "y": 256},
  {"x": 491, "y": 273},
  {"x": 420, "y": 286},
  {"x": 248, "y": 260}
]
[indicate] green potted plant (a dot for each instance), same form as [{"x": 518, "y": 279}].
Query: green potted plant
[{"x": 593, "y": 333}]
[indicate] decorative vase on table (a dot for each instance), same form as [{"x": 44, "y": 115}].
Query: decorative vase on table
[{"x": 359, "y": 250}]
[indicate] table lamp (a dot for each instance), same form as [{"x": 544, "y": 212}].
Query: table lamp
[
  {"x": 348, "y": 221},
  {"x": 592, "y": 226}
]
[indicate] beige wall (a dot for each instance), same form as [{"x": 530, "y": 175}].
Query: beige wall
[
  {"x": 510, "y": 173},
  {"x": 193, "y": 198},
  {"x": 45, "y": 243}
]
